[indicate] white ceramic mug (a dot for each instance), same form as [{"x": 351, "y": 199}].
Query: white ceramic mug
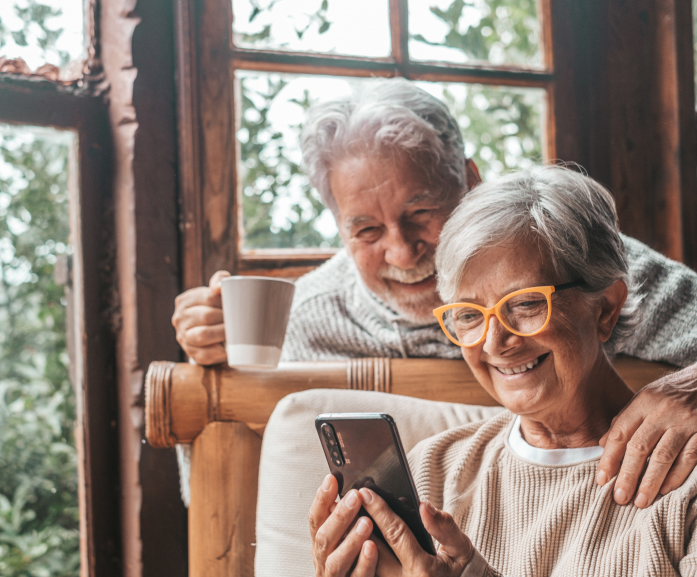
[{"x": 255, "y": 312}]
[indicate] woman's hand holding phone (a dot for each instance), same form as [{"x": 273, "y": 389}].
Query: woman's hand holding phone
[
  {"x": 341, "y": 547},
  {"x": 409, "y": 558}
]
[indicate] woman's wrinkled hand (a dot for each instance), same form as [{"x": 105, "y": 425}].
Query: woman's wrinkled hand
[
  {"x": 409, "y": 559},
  {"x": 341, "y": 546}
]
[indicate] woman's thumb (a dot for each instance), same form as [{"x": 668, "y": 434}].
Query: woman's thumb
[{"x": 442, "y": 527}]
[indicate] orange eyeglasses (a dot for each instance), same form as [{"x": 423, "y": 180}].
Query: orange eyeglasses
[{"x": 524, "y": 312}]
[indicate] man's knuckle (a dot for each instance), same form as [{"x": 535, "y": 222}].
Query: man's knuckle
[
  {"x": 689, "y": 455},
  {"x": 663, "y": 456},
  {"x": 626, "y": 477},
  {"x": 196, "y": 337},
  {"x": 211, "y": 316},
  {"x": 638, "y": 447},
  {"x": 617, "y": 435}
]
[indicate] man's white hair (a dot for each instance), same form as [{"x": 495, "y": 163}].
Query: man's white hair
[
  {"x": 570, "y": 215},
  {"x": 383, "y": 117}
]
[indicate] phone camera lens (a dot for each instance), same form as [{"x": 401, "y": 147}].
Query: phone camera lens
[{"x": 332, "y": 445}]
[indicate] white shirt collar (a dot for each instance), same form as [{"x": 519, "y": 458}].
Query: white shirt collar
[{"x": 549, "y": 456}]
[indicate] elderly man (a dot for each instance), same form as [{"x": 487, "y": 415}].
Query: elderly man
[{"x": 389, "y": 162}]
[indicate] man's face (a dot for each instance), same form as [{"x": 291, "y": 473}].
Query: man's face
[{"x": 389, "y": 220}]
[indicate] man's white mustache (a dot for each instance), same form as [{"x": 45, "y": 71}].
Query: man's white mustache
[{"x": 425, "y": 268}]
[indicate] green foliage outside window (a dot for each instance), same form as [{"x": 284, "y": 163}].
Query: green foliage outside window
[
  {"x": 38, "y": 468},
  {"x": 271, "y": 173},
  {"x": 39, "y": 518}
]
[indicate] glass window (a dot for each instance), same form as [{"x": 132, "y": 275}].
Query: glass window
[
  {"x": 44, "y": 32},
  {"x": 502, "y": 128},
  {"x": 475, "y": 31},
  {"x": 356, "y": 28},
  {"x": 39, "y": 519},
  {"x": 280, "y": 208}
]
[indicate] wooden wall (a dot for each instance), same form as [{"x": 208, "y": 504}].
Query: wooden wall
[
  {"x": 625, "y": 110},
  {"x": 138, "y": 56}
]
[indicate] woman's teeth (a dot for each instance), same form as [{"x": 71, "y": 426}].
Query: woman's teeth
[{"x": 521, "y": 369}]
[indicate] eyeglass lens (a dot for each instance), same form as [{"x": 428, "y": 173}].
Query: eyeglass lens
[{"x": 524, "y": 313}]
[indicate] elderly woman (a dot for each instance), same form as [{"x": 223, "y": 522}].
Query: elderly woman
[{"x": 536, "y": 272}]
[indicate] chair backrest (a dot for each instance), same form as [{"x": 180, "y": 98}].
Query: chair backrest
[{"x": 224, "y": 411}]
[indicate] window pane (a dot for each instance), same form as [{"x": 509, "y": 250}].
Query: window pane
[
  {"x": 44, "y": 31},
  {"x": 356, "y": 28},
  {"x": 39, "y": 516},
  {"x": 502, "y": 127},
  {"x": 459, "y": 31},
  {"x": 280, "y": 208}
]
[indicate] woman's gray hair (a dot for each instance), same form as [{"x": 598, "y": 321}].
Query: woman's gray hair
[
  {"x": 570, "y": 214},
  {"x": 385, "y": 116}
]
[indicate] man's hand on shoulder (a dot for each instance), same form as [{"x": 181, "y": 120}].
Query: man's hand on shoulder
[
  {"x": 660, "y": 424},
  {"x": 198, "y": 321}
]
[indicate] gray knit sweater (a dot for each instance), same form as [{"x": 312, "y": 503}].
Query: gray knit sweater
[{"x": 335, "y": 316}]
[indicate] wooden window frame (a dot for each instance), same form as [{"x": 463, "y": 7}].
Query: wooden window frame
[
  {"x": 209, "y": 190},
  {"x": 35, "y": 101}
]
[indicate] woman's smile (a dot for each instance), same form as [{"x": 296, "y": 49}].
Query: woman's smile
[{"x": 509, "y": 369}]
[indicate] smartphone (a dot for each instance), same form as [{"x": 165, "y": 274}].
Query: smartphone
[{"x": 364, "y": 450}]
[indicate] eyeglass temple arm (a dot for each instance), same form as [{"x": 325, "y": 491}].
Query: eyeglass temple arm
[{"x": 572, "y": 284}]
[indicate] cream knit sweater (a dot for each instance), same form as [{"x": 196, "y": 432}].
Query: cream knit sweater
[{"x": 527, "y": 519}]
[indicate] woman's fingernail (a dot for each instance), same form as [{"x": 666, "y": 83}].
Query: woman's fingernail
[
  {"x": 620, "y": 496},
  {"x": 429, "y": 506},
  {"x": 326, "y": 483},
  {"x": 363, "y": 527},
  {"x": 351, "y": 499},
  {"x": 367, "y": 495},
  {"x": 368, "y": 550},
  {"x": 601, "y": 478},
  {"x": 641, "y": 500}
]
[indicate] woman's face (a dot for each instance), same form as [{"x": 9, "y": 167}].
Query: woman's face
[{"x": 563, "y": 354}]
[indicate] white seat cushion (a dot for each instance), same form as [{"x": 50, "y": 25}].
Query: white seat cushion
[{"x": 293, "y": 465}]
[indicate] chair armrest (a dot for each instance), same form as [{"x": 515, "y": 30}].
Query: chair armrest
[{"x": 181, "y": 399}]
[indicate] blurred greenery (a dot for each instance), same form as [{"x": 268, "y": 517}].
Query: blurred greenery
[
  {"x": 496, "y": 31},
  {"x": 501, "y": 126},
  {"x": 36, "y": 29},
  {"x": 271, "y": 175},
  {"x": 39, "y": 517}
]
